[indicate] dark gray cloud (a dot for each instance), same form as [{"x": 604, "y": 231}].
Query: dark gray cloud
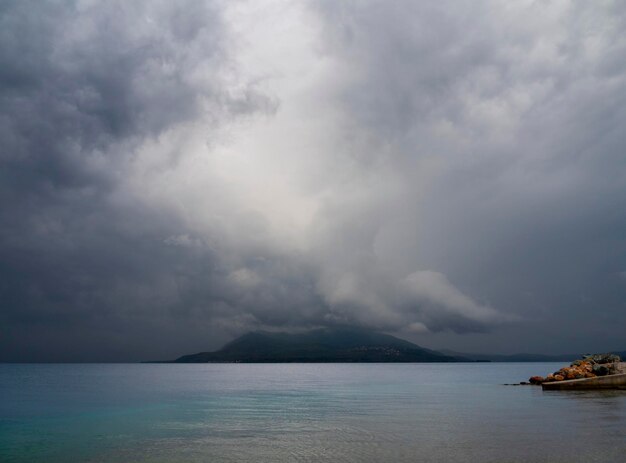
[
  {"x": 518, "y": 108},
  {"x": 175, "y": 174},
  {"x": 87, "y": 271}
]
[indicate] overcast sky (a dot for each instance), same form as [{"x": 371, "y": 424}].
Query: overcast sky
[{"x": 174, "y": 174}]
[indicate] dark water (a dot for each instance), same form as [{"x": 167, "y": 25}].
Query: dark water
[{"x": 285, "y": 413}]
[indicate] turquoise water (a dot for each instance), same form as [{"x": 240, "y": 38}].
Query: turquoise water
[{"x": 302, "y": 412}]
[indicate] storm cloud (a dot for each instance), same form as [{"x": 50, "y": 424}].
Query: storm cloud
[{"x": 175, "y": 174}]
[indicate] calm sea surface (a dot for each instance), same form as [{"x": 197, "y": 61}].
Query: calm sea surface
[{"x": 302, "y": 412}]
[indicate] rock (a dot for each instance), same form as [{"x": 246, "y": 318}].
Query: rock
[
  {"x": 602, "y": 358},
  {"x": 590, "y": 366},
  {"x": 601, "y": 370}
]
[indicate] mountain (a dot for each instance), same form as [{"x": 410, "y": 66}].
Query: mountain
[
  {"x": 320, "y": 345},
  {"x": 520, "y": 357}
]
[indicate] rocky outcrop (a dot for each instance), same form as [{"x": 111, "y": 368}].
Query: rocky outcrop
[
  {"x": 590, "y": 366},
  {"x": 601, "y": 358}
]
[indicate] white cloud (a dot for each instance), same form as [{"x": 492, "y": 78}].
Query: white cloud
[
  {"x": 245, "y": 277},
  {"x": 433, "y": 292}
]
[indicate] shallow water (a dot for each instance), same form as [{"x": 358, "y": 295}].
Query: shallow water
[{"x": 302, "y": 412}]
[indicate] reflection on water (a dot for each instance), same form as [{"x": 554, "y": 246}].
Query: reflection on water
[{"x": 320, "y": 412}]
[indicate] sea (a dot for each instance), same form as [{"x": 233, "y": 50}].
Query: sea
[{"x": 411, "y": 412}]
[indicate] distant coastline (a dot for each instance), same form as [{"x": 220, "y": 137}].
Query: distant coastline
[{"x": 343, "y": 345}]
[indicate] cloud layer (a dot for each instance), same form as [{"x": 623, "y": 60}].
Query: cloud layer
[{"x": 175, "y": 174}]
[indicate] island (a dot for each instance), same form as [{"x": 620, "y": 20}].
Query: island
[
  {"x": 319, "y": 345},
  {"x": 342, "y": 344}
]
